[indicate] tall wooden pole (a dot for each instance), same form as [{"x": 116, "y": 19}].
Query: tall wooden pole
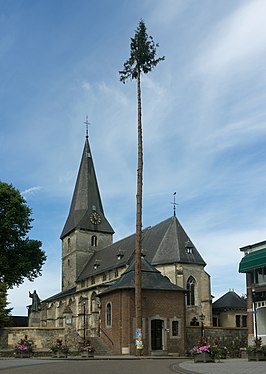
[
  {"x": 138, "y": 303},
  {"x": 142, "y": 59}
]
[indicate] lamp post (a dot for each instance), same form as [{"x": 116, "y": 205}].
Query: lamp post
[
  {"x": 83, "y": 302},
  {"x": 202, "y": 317},
  {"x": 254, "y": 310}
]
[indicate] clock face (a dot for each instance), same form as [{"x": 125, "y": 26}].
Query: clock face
[{"x": 95, "y": 218}]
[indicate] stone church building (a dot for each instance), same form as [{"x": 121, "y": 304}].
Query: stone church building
[{"x": 97, "y": 290}]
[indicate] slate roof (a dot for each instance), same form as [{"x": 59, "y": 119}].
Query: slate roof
[
  {"x": 61, "y": 295},
  {"x": 86, "y": 198},
  {"x": 151, "y": 279},
  {"x": 164, "y": 243},
  {"x": 230, "y": 301}
]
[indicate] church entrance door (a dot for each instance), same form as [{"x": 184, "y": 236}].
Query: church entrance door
[{"x": 156, "y": 334}]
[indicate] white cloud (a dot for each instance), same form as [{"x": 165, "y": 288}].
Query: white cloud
[
  {"x": 87, "y": 86},
  {"x": 31, "y": 191},
  {"x": 165, "y": 12},
  {"x": 236, "y": 41},
  {"x": 46, "y": 285},
  {"x": 110, "y": 91},
  {"x": 221, "y": 252}
]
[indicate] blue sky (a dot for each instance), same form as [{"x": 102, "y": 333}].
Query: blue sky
[{"x": 204, "y": 122}]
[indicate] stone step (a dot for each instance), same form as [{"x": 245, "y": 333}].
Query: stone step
[{"x": 101, "y": 349}]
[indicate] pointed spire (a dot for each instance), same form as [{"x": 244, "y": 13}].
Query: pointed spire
[{"x": 86, "y": 199}]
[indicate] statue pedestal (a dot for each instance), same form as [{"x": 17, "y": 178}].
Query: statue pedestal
[{"x": 34, "y": 319}]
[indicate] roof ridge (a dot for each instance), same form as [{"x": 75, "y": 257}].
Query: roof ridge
[{"x": 150, "y": 278}]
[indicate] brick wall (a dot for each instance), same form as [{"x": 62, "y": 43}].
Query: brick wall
[
  {"x": 112, "y": 334},
  {"x": 164, "y": 305}
]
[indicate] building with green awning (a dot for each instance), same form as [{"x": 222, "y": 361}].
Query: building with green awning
[
  {"x": 253, "y": 260},
  {"x": 254, "y": 265}
]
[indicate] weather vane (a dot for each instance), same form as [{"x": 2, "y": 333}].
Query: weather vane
[
  {"x": 87, "y": 123},
  {"x": 174, "y": 203}
]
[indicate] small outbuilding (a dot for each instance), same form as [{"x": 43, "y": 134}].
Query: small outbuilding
[
  {"x": 230, "y": 310},
  {"x": 163, "y": 313}
]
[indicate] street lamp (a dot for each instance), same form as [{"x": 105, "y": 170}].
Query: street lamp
[
  {"x": 202, "y": 317},
  {"x": 83, "y": 302},
  {"x": 253, "y": 290}
]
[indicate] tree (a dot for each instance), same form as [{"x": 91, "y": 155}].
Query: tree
[
  {"x": 142, "y": 60},
  {"x": 20, "y": 257},
  {"x": 4, "y": 311}
]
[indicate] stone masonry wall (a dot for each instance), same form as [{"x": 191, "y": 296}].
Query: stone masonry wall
[
  {"x": 232, "y": 338},
  {"x": 42, "y": 337}
]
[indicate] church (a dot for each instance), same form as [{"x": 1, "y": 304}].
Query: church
[{"x": 97, "y": 296}]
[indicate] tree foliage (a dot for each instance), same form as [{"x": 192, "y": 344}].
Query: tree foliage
[
  {"x": 142, "y": 57},
  {"x": 4, "y": 311},
  {"x": 20, "y": 257}
]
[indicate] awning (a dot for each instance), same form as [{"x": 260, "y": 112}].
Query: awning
[{"x": 253, "y": 260}]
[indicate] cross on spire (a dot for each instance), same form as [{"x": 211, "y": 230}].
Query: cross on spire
[
  {"x": 87, "y": 123},
  {"x": 174, "y": 204}
]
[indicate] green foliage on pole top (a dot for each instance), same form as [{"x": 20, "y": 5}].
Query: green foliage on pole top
[
  {"x": 142, "y": 55},
  {"x": 20, "y": 257}
]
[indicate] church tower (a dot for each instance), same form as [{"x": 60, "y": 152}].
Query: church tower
[{"x": 86, "y": 229}]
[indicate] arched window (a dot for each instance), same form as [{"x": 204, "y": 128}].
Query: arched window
[
  {"x": 108, "y": 315},
  {"x": 94, "y": 241},
  {"x": 68, "y": 243},
  {"x": 68, "y": 263},
  {"x": 191, "y": 287}
]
